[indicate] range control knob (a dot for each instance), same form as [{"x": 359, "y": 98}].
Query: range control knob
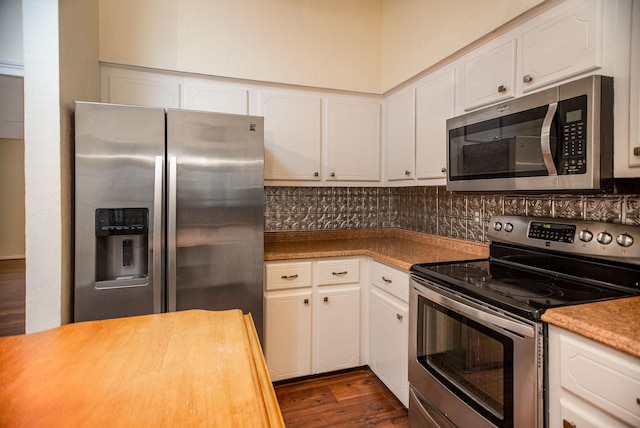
[
  {"x": 585, "y": 236},
  {"x": 604, "y": 238},
  {"x": 508, "y": 227},
  {"x": 497, "y": 226},
  {"x": 624, "y": 240}
]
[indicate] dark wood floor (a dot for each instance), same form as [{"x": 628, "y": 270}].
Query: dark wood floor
[
  {"x": 12, "y": 297},
  {"x": 355, "y": 399}
]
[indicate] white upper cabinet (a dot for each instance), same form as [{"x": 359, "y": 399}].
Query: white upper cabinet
[
  {"x": 11, "y": 107},
  {"x": 563, "y": 46},
  {"x": 400, "y": 132},
  {"x": 292, "y": 135},
  {"x": 633, "y": 150},
  {"x": 143, "y": 89},
  {"x": 206, "y": 96},
  {"x": 353, "y": 139},
  {"x": 434, "y": 105},
  {"x": 490, "y": 76}
]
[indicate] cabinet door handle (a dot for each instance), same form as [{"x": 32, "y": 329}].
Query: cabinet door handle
[
  {"x": 636, "y": 151},
  {"x": 289, "y": 276},
  {"x": 399, "y": 316},
  {"x": 388, "y": 281},
  {"x": 638, "y": 400},
  {"x": 326, "y": 299},
  {"x": 443, "y": 169},
  {"x": 568, "y": 424},
  {"x": 306, "y": 301},
  {"x": 527, "y": 78},
  {"x": 407, "y": 173},
  {"x": 316, "y": 174},
  {"x": 502, "y": 88},
  {"x": 333, "y": 174},
  {"x": 344, "y": 272}
]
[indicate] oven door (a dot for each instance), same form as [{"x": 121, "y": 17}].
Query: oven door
[{"x": 470, "y": 365}]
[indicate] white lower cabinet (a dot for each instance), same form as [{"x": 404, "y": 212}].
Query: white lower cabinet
[
  {"x": 337, "y": 328},
  {"x": 312, "y": 317},
  {"x": 590, "y": 384},
  {"x": 288, "y": 334},
  {"x": 389, "y": 328}
]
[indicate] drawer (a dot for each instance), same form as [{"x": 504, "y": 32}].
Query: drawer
[
  {"x": 332, "y": 272},
  {"x": 602, "y": 376},
  {"x": 280, "y": 276},
  {"x": 391, "y": 280}
]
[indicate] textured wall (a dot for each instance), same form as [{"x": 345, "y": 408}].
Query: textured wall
[{"x": 429, "y": 209}]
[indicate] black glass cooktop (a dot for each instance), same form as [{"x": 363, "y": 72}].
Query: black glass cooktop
[{"x": 528, "y": 292}]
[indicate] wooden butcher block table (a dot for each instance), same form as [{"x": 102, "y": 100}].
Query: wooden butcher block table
[{"x": 180, "y": 369}]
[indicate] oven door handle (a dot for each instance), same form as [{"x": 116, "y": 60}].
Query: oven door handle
[{"x": 477, "y": 314}]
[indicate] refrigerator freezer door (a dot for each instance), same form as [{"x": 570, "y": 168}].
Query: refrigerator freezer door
[
  {"x": 119, "y": 169},
  {"x": 216, "y": 212}
]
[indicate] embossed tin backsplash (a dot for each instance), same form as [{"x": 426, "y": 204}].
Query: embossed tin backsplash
[{"x": 429, "y": 209}]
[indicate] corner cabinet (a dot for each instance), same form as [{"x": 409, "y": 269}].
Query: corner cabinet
[
  {"x": 400, "y": 134},
  {"x": 434, "y": 105},
  {"x": 353, "y": 139},
  {"x": 312, "y": 316},
  {"x": 590, "y": 384},
  {"x": 389, "y": 328}
]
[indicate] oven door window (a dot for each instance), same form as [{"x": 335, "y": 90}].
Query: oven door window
[
  {"x": 508, "y": 146},
  {"x": 472, "y": 360}
]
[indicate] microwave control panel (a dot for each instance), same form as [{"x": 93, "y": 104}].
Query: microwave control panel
[{"x": 573, "y": 141}]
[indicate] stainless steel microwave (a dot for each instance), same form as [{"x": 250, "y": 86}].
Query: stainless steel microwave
[{"x": 557, "y": 139}]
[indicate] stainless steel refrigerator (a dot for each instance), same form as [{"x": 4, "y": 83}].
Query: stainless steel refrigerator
[{"x": 169, "y": 211}]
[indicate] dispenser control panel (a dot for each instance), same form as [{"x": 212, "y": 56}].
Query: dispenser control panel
[{"x": 122, "y": 221}]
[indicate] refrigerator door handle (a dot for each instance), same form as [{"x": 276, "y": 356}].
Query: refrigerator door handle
[
  {"x": 171, "y": 235},
  {"x": 157, "y": 236}
]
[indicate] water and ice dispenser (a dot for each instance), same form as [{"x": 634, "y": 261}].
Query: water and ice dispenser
[{"x": 122, "y": 247}]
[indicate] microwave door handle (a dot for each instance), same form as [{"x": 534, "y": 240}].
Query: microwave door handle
[{"x": 545, "y": 143}]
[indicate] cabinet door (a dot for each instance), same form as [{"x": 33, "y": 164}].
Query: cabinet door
[
  {"x": 564, "y": 46},
  {"x": 205, "y": 96},
  {"x": 151, "y": 91},
  {"x": 490, "y": 77},
  {"x": 353, "y": 140},
  {"x": 287, "y": 336},
  {"x": 292, "y": 136},
  {"x": 400, "y": 135},
  {"x": 634, "y": 98},
  {"x": 434, "y": 105},
  {"x": 338, "y": 328},
  {"x": 389, "y": 338}
]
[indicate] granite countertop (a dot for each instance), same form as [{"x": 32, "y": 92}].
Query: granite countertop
[
  {"x": 612, "y": 322},
  {"x": 396, "y": 247}
]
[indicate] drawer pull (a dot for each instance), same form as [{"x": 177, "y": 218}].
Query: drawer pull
[
  {"x": 289, "y": 276},
  {"x": 344, "y": 272},
  {"x": 399, "y": 316},
  {"x": 306, "y": 301},
  {"x": 638, "y": 400},
  {"x": 568, "y": 424},
  {"x": 388, "y": 281},
  {"x": 326, "y": 299}
]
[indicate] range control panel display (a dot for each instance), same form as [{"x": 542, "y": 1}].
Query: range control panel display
[{"x": 552, "y": 231}]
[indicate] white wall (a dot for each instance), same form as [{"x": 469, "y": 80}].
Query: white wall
[
  {"x": 359, "y": 45},
  {"x": 61, "y": 64},
  {"x": 12, "y": 245},
  {"x": 329, "y": 43}
]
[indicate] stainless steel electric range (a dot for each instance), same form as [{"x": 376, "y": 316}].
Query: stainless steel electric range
[{"x": 477, "y": 344}]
